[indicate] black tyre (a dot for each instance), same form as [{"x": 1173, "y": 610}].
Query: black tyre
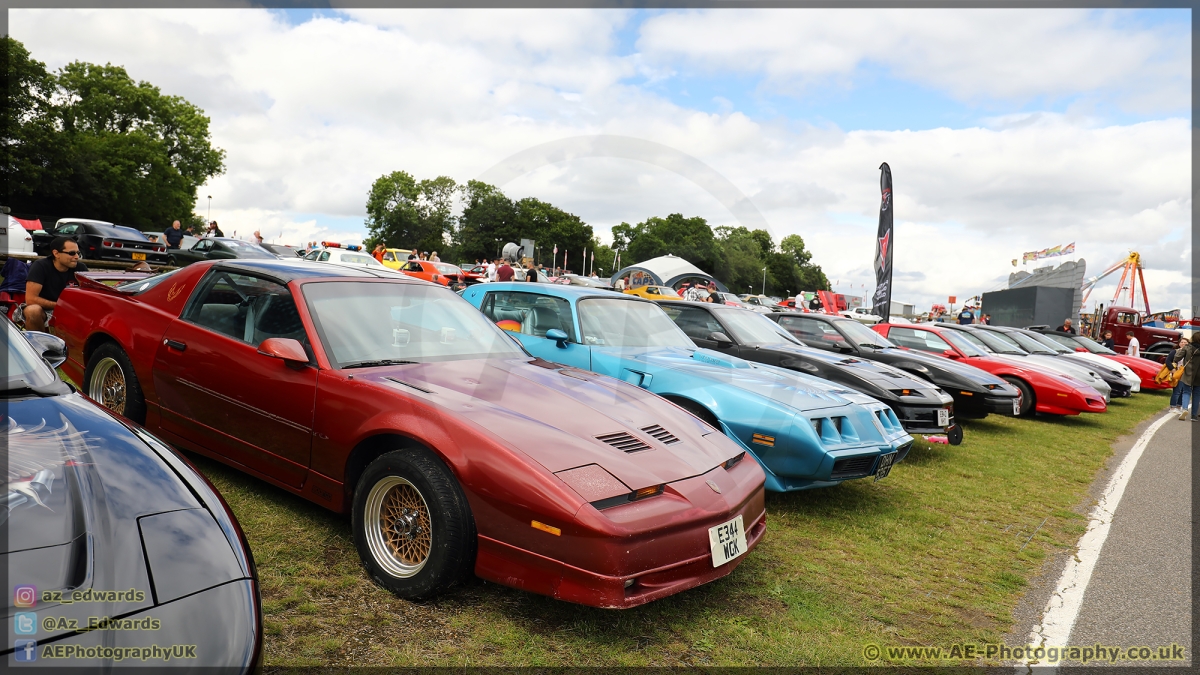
[
  {"x": 954, "y": 434},
  {"x": 412, "y": 525},
  {"x": 697, "y": 410},
  {"x": 1027, "y": 400},
  {"x": 110, "y": 381},
  {"x": 172, "y": 261}
]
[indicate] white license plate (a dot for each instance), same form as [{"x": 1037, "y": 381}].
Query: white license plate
[
  {"x": 885, "y": 466},
  {"x": 1017, "y": 405},
  {"x": 943, "y": 418},
  {"x": 727, "y": 541}
]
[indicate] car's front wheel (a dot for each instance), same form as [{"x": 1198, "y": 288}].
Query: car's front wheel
[
  {"x": 111, "y": 382},
  {"x": 412, "y": 524},
  {"x": 1027, "y": 401}
]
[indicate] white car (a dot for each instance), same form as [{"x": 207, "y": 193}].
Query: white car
[
  {"x": 345, "y": 257},
  {"x": 14, "y": 238},
  {"x": 861, "y": 315}
]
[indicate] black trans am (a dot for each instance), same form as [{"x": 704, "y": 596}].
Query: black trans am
[
  {"x": 976, "y": 392},
  {"x": 219, "y": 248},
  {"x": 118, "y": 551},
  {"x": 922, "y": 407}
]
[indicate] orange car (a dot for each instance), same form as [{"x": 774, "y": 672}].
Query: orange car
[
  {"x": 654, "y": 292},
  {"x": 437, "y": 272}
]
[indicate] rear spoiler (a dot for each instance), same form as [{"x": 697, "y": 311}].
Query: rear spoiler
[{"x": 94, "y": 281}]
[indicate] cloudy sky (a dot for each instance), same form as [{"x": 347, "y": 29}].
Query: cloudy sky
[{"x": 1006, "y": 130}]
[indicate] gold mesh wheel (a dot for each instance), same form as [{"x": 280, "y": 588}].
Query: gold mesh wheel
[
  {"x": 399, "y": 529},
  {"x": 107, "y": 386}
]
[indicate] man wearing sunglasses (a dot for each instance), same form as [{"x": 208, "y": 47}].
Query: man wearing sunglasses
[{"x": 47, "y": 278}]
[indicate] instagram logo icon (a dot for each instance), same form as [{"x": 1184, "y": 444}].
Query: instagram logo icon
[{"x": 25, "y": 596}]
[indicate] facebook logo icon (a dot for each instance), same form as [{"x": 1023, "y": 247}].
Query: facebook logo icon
[{"x": 26, "y": 650}]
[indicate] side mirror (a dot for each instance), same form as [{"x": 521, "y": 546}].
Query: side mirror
[
  {"x": 722, "y": 340},
  {"x": 559, "y": 337},
  {"x": 51, "y": 348},
  {"x": 845, "y": 349},
  {"x": 949, "y": 353},
  {"x": 1081, "y": 349},
  {"x": 291, "y": 351}
]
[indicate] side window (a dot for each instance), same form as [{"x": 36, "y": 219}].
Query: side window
[
  {"x": 697, "y": 323},
  {"x": 203, "y": 245},
  {"x": 1127, "y": 318},
  {"x": 818, "y": 333},
  {"x": 246, "y": 308},
  {"x": 312, "y": 255},
  {"x": 72, "y": 228},
  {"x": 921, "y": 340},
  {"x": 324, "y": 256},
  {"x": 529, "y": 313},
  {"x": 388, "y": 256},
  {"x": 413, "y": 266}
]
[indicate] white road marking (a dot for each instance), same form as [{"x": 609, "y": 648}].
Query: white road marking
[{"x": 1058, "y": 618}]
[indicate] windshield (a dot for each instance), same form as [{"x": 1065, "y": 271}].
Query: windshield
[
  {"x": 993, "y": 342},
  {"x": 245, "y": 249},
  {"x": 118, "y": 232},
  {"x": 1087, "y": 343},
  {"x": 359, "y": 259},
  {"x": 861, "y": 335},
  {"x": 752, "y": 328},
  {"x": 364, "y": 321},
  {"x": 139, "y": 285},
  {"x": 958, "y": 339},
  {"x": 25, "y": 365},
  {"x": 628, "y": 323},
  {"x": 1037, "y": 344}
]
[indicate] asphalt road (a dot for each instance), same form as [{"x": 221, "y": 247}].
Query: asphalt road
[{"x": 1140, "y": 590}]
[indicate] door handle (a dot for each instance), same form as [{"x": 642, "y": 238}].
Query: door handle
[{"x": 174, "y": 344}]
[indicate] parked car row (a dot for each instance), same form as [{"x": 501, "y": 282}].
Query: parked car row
[{"x": 597, "y": 447}]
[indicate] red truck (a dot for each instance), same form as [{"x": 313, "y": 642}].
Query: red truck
[{"x": 1155, "y": 343}]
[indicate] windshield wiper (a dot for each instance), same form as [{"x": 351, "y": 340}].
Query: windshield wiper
[
  {"x": 372, "y": 364},
  {"x": 872, "y": 345}
]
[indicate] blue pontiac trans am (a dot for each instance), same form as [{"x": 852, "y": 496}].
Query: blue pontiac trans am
[{"x": 805, "y": 432}]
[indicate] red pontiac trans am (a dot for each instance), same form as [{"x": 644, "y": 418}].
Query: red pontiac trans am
[
  {"x": 395, "y": 400},
  {"x": 1042, "y": 390}
]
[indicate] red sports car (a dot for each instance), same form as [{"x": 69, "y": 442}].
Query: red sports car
[
  {"x": 1143, "y": 368},
  {"x": 395, "y": 400},
  {"x": 1040, "y": 390}
]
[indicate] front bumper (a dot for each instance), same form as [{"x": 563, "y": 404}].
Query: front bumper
[
  {"x": 922, "y": 419},
  {"x": 633, "y": 554}
]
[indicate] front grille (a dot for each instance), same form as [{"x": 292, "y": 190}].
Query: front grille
[
  {"x": 623, "y": 441},
  {"x": 852, "y": 467},
  {"x": 660, "y": 434}
]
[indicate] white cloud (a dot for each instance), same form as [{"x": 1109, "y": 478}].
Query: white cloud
[
  {"x": 968, "y": 53},
  {"x": 311, "y": 114}
]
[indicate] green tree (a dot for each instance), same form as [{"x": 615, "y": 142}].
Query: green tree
[
  {"x": 89, "y": 141},
  {"x": 404, "y": 213},
  {"x": 688, "y": 238},
  {"x": 550, "y": 226},
  {"x": 488, "y": 221}
]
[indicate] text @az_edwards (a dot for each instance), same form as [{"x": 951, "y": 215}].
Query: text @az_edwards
[{"x": 1037, "y": 653}]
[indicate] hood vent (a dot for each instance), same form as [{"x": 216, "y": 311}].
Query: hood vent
[
  {"x": 660, "y": 434},
  {"x": 624, "y": 442}
]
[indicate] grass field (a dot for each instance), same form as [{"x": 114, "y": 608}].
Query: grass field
[{"x": 938, "y": 553}]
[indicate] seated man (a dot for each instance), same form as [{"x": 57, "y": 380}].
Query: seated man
[{"x": 47, "y": 278}]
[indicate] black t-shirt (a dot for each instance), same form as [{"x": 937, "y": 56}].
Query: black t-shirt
[
  {"x": 173, "y": 237},
  {"x": 43, "y": 272},
  {"x": 1065, "y": 329},
  {"x": 531, "y": 275}
]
